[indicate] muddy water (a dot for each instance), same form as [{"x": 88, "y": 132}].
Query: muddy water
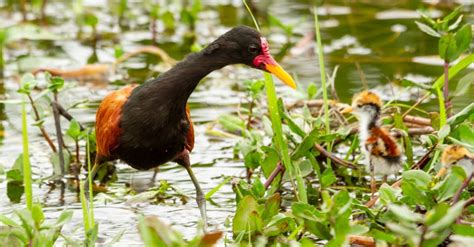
[{"x": 373, "y": 43}]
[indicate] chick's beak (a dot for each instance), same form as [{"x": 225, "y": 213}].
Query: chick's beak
[
  {"x": 347, "y": 110},
  {"x": 266, "y": 62}
]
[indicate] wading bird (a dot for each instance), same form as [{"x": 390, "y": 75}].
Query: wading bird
[
  {"x": 382, "y": 153},
  {"x": 456, "y": 155},
  {"x": 148, "y": 125}
]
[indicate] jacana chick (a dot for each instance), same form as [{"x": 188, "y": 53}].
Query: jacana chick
[
  {"x": 382, "y": 153},
  {"x": 456, "y": 155}
]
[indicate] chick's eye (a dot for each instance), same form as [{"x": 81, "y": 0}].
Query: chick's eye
[{"x": 253, "y": 49}]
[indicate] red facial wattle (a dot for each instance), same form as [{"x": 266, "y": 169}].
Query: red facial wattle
[{"x": 266, "y": 62}]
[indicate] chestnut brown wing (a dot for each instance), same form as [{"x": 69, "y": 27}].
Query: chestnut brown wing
[{"x": 107, "y": 126}]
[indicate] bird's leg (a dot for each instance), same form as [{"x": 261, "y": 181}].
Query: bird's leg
[
  {"x": 183, "y": 159},
  {"x": 155, "y": 172},
  {"x": 373, "y": 186}
]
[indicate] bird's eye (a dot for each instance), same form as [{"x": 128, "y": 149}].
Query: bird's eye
[{"x": 253, "y": 49}]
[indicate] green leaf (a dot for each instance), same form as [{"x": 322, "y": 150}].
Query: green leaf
[
  {"x": 55, "y": 84},
  {"x": 217, "y": 188},
  {"x": 436, "y": 213},
  {"x": 312, "y": 90},
  {"x": 231, "y": 123},
  {"x": 15, "y": 191},
  {"x": 258, "y": 190},
  {"x": 37, "y": 214},
  {"x": 328, "y": 177},
  {"x": 27, "y": 83},
  {"x": 447, "y": 47},
  {"x": 387, "y": 194},
  {"x": 305, "y": 211},
  {"x": 404, "y": 213},
  {"x": 444, "y": 131},
  {"x": 419, "y": 177},
  {"x": 279, "y": 224},
  {"x": 247, "y": 217},
  {"x": 463, "y": 84},
  {"x": 384, "y": 236},
  {"x": 462, "y": 115},
  {"x": 65, "y": 217},
  {"x": 463, "y": 38},
  {"x": 426, "y": 29},
  {"x": 449, "y": 218},
  {"x": 74, "y": 130},
  {"x": 14, "y": 175},
  {"x": 272, "y": 207},
  {"x": 448, "y": 186},
  {"x": 463, "y": 230}
]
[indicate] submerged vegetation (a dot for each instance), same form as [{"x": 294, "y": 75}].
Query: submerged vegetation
[{"x": 306, "y": 180}]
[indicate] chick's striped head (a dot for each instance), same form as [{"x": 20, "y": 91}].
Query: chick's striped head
[{"x": 454, "y": 153}]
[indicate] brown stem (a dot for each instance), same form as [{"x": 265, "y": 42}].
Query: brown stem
[
  {"x": 40, "y": 126},
  {"x": 153, "y": 31},
  {"x": 63, "y": 112},
  {"x": 463, "y": 186},
  {"x": 249, "y": 120},
  {"x": 447, "y": 101},
  {"x": 332, "y": 157},
  {"x": 23, "y": 9},
  {"x": 78, "y": 157},
  {"x": 57, "y": 122},
  {"x": 417, "y": 120},
  {"x": 279, "y": 168},
  {"x": 43, "y": 12}
]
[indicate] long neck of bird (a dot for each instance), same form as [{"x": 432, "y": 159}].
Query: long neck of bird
[
  {"x": 179, "y": 82},
  {"x": 367, "y": 121}
]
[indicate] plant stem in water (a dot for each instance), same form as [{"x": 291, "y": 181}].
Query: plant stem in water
[
  {"x": 26, "y": 160},
  {"x": 40, "y": 126},
  {"x": 59, "y": 135}
]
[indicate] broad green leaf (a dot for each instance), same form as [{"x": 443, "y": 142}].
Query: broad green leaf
[
  {"x": 74, "y": 130},
  {"x": 63, "y": 218},
  {"x": 305, "y": 211},
  {"x": 15, "y": 191},
  {"x": 387, "y": 194},
  {"x": 463, "y": 229},
  {"x": 463, "y": 38},
  {"x": 247, "y": 217},
  {"x": 420, "y": 177},
  {"x": 462, "y": 115},
  {"x": 319, "y": 229},
  {"x": 272, "y": 207},
  {"x": 449, "y": 218},
  {"x": 447, "y": 47},
  {"x": 37, "y": 214},
  {"x": 258, "y": 190},
  {"x": 448, "y": 186},
  {"x": 404, "y": 213},
  {"x": 279, "y": 224},
  {"x": 328, "y": 177},
  {"x": 231, "y": 123},
  {"x": 463, "y": 84},
  {"x": 436, "y": 213}
]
